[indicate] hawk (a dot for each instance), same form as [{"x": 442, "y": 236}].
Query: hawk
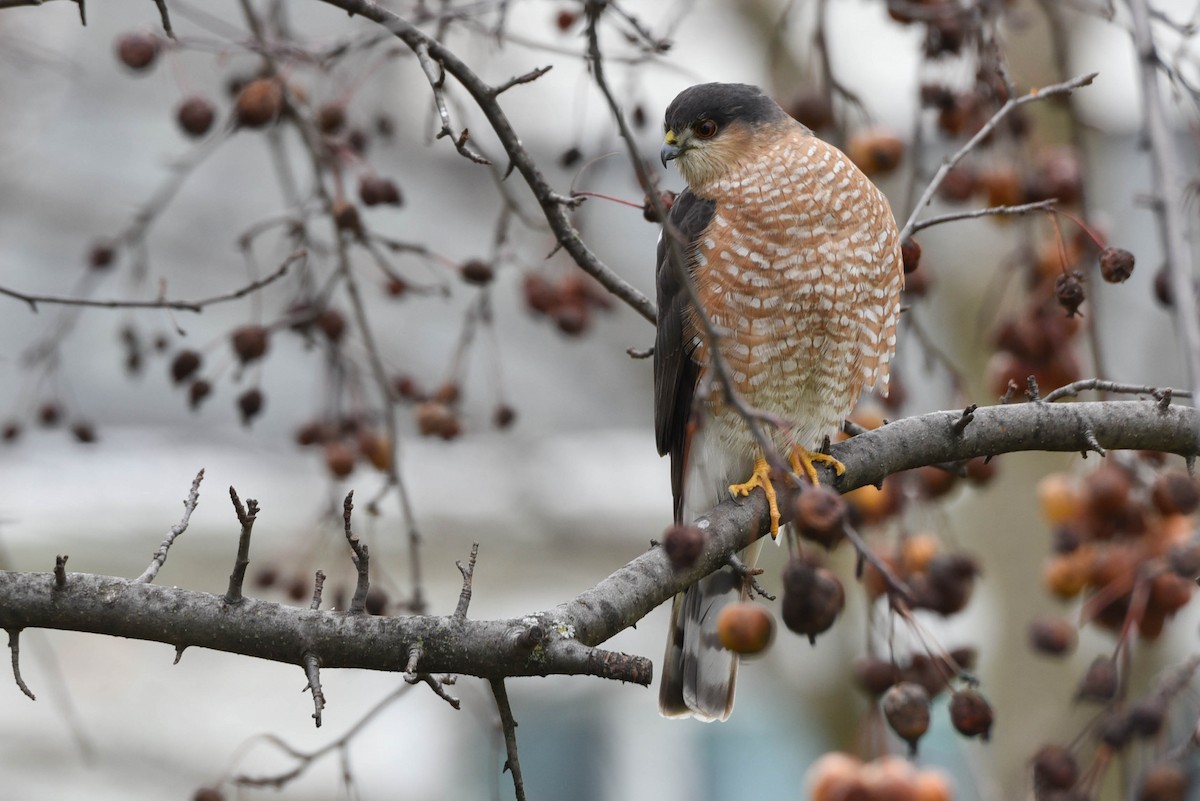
[{"x": 795, "y": 260}]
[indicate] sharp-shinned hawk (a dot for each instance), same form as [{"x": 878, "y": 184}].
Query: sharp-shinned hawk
[{"x": 795, "y": 259}]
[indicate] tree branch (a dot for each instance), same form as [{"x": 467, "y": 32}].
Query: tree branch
[{"x": 561, "y": 640}]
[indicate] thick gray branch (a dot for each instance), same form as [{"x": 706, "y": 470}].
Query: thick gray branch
[{"x": 561, "y": 640}]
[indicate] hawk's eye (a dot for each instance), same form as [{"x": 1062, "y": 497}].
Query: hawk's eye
[{"x": 705, "y": 129}]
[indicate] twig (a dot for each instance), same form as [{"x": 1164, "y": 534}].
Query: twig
[
  {"x": 468, "y": 573},
  {"x": 161, "y": 303},
  {"x": 318, "y": 589},
  {"x": 14, "y": 645},
  {"x": 246, "y": 516},
  {"x": 513, "y": 763},
  {"x": 990, "y": 211},
  {"x": 60, "y": 571},
  {"x": 968, "y": 414},
  {"x": 1073, "y": 389},
  {"x": 1166, "y": 169},
  {"x": 160, "y": 557},
  {"x": 551, "y": 202},
  {"x": 437, "y": 686},
  {"x": 528, "y": 77},
  {"x": 163, "y": 13},
  {"x": 306, "y": 758},
  {"x": 1066, "y": 87},
  {"x": 437, "y": 80},
  {"x": 359, "y": 556},
  {"x": 312, "y": 669}
]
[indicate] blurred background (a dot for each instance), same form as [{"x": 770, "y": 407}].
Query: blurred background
[{"x": 558, "y": 500}]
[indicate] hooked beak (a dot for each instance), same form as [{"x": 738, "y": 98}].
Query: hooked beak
[{"x": 670, "y": 149}]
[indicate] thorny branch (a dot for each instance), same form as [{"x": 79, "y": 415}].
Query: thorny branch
[{"x": 509, "y": 724}]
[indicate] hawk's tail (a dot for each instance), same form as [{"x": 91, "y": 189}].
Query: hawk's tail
[{"x": 698, "y": 675}]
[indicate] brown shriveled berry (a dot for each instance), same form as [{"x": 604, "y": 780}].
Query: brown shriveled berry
[
  {"x": 376, "y": 448},
  {"x": 745, "y": 628},
  {"x": 1106, "y": 492},
  {"x": 1169, "y": 592},
  {"x": 311, "y": 433},
  {"x": 331, "y": 117},
  {"x": 208, "y": 794},
  {"x": 820, "y": 514},
  {"x": 971, "y": 714},
  {"x": 102, "y": 254},
  {"x": 541, "y": 296},
  {"x": 934, "y": 482},
  {"x": 565, "y": 19},
  {"x": 812, "y": 108},
  {"x": 374, "y": 190},
  {"x": 1054, "y": 768},
  {"x": 1147, "y": 716},
  {"x": 1184, "y": 560},
  {"x": 874, "y": 675},
  {"x": 1175, "y": 493},
  {"x": 185, "y": 363},
  {"x": 436, "y": 419},
  {"x": 952, "y": 577},
  {"x": 448, "y": 393},
  {"x": 250, "y": 404},
  {"x": 197, "y": 392},
  {"x": 376, "y": 601},
  {"x": 959, "y": 184},
  {"x": 875, "y": 152},
  {"x": 1059, "y": 175},
  {"x": 1068, "y": 289},
  {"x": 477, "y": 272},
  {"x": 138, "y": 49},
  {"x": 259, "y": 103},
  {"x": 1115, "y": 730},
  {"x": 345, "y": 216},
  {"x": 298, "y": 588},
  {"x": 196, "y": 115},
  {"x": 49, "y": 415},
  {"x": 1002, "y": 186},
  {"x": 83, "y": 432},
  {"x": 1054, "y": 636},
  {"x": 339, "y": 458},
  {"x": 1116, "y": 265},
  {"x": 910, "y": 253},
  {"x": 1100, "y": 682},
  {"x": 406, "y": 387},
  {"x": 572, "y": 319},
  {"x": 570, "y": 157},
  {"x": 980, "y": 470},
  {"x": 504, "y": 416},
  {"x": 813, "y": 597},
  {"x": 683, "y": 545},
  {"x": 1165, "y": 781},
  {"x": 11, "y": 431},
  {"x": 250, "y": 342},
  {"x": 906, "y": 708},
  {"x": 667, "y": 199},
  {"x": 1163, "y": 292},
  {"x": 332, "y": 324}
]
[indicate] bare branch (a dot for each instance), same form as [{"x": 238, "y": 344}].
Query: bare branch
[
  {"x": 312, "y": 669},
  {"x": 360, "y": 556},
  {"x": 246, "y": 516},
  {"x": 160, "y": 557},
  {"x": 990, "y": 211},
  {"x": 509, "y": 724},
  {"x": 161, "y": 303},
  {"x": 437, "y": 80},
  {"x": 14, "y": 645},
  {"x": 468, "y": 573},
  {"x": 1066, "y": 87},
  {"x": 1166, "y": 175},
  {"x": 555, "y": 212}
]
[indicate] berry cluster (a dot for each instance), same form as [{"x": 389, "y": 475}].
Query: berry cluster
[
  {"x": 1123, "y": 535},
  {"x": 838, "y": 776}
]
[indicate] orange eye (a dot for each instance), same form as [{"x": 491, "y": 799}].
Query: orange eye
[{"x": 705, "y": 129}]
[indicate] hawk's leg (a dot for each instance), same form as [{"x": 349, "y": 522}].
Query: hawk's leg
[
  {"x": 803, "y": 459},
  {"x": 761, "y": 477}
]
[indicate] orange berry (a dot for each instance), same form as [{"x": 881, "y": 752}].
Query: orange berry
[
  {"x": 834, "y": 776},
  {"x": 917, "y": 551},
  {"x": 929, "y": 785},
  {"x": 1065, "y": 576},
  {"x": 745, "y": 628},
  {"x": 875, "y": 152},
  {"x": 1058, "y": 498}
]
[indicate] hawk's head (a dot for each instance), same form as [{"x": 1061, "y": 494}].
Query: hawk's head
[{"x": 710, "y": 127}]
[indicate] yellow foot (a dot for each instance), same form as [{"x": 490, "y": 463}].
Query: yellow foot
[
  {"x": 802, "y": 462},
  {"x": 761, "y": 477}
]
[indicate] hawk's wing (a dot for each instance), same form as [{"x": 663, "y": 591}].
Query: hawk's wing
[{"x": 675, "y": 371}]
